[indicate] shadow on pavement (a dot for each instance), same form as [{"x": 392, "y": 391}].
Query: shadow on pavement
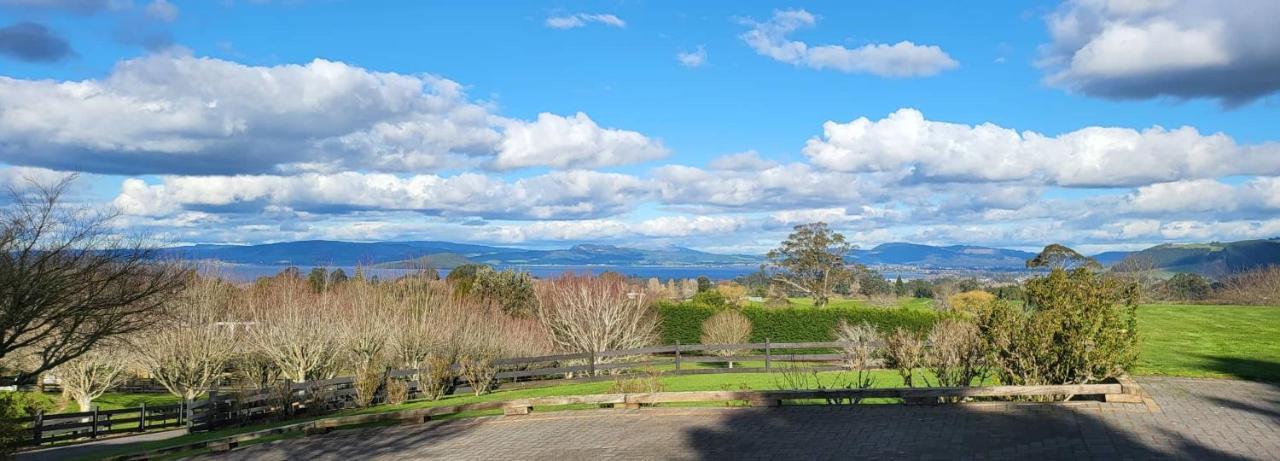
[{"x": 1039, "y": 432}]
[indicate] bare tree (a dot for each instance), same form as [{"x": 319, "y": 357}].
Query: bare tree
[
  {"x": 190, "y": 348},
  {"x": 92, "y": 374},
  {"x": 589, "y": 313},
  {"x": 293, "y": 328},
  {"x": 68, "y": 282},
  {"x": 810, "y": 261}
]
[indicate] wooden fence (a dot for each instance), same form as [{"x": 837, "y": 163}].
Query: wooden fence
[
  {"x": 322, "y": 396},
  {"x": 41, "y": 428}
]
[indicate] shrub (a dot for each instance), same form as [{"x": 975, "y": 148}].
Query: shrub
[
  {"x": 512, "y": 290},
  {"x": 478, "y": 371},
  {"x": 368, "y": 381},
  {"x": 970, "y": 302},
  {"x": 726, "y": 327},
  {"x": 397, "y": 391},
  {"x": 1077, "y": 327},
  {"x": 860, "y": 350},
  {"x": 904, "y": 351},
  {"x": 711, "y": 298},
  {"x": 438, "y": 379},
  {"x": 732, "y": 293},
  {"x": 956, "y": 353},
  {"x": 683, "y": 322}
]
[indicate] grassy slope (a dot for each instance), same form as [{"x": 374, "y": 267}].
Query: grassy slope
[{"x": 1210, "y": 341}]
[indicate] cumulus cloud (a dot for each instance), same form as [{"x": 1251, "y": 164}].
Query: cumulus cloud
[
  {"x": 1178, "y": 48},
  {"x": 742, "y": 161},
  {"x": 561, "y": 142},
  {"x": 926, "y": 150},
  {"x": 1208, "y": 196},
  {"x": 576, "y": 194},
  {"x": 778, "y": 187},
  {"x": 902, "y": 59},
  {"x": 178, "y": 114},
  {"x": 29, "y": 41},
  {"x": 573, "y": 21},
  {"x": 695, "y": 58}
]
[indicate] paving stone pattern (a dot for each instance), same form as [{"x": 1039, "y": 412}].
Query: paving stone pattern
[{"x": 1195, "y": 420}]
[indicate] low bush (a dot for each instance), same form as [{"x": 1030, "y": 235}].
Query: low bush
[
  {"x": 1077, "y": 327},
  {"x": 726, "y": 327},
  {"x": 683, "y": 322}
]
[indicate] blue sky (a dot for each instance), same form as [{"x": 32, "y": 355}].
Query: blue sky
[{"x": 1101, "y": 124}]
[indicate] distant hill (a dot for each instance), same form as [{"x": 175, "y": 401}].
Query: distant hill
[
  {"x": 1213, "y": 259},
  {"x": 445, "y": 255},
  {"x": 955, "y": 256}
]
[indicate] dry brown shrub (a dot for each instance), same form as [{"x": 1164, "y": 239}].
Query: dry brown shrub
[
  {"x": 726, "y": 327},
  {"x": 956, "y": 353},
  {"x": 904, "y": 351}
]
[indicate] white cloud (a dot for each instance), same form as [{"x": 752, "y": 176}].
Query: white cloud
[
  {"x": 902, "y": 59},
  {"x": 577, "y": 141},
  {"x": 907, "y": 143},
  {"x": 696, "y": 58},
  {"x": 1179, "y": 48},
  {"x": 573, "y": 21},
  {"x": 556, "y": 195},
  {"x": 794, "y": 185},
  {"x": 177, "y": 114},
  {"x": 741, "y": 161},
  {"x": 684, "y": 226},
  {"x": 162, "y": 10},
  {"x": 1205, "y": 196}
]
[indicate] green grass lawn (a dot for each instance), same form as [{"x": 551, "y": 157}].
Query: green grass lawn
[
  {"x": 1210, "y": 341},
  {"x": 109, "y": 401}
]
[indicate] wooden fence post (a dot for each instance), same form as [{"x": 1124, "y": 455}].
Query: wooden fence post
[
  {"x": 142, "y": 418},
  {"x": 768, "y": 354},
  {"x": 37, "y": 426},
  {"x": 592, "y": 366},
  {"x": 677, "y": 355},
  {"x": 93, "y": 433}
]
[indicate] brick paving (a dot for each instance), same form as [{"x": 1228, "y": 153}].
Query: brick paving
[{"x": 1195, "y": 420}]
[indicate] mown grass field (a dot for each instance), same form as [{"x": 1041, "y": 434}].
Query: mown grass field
[{"x": 1211, "y": 341}]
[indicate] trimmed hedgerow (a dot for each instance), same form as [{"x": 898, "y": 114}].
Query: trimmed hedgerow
[{"x": 683, "y": 322}]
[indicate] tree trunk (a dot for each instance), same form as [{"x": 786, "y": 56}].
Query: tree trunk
[{"x": 84, "y": 402}]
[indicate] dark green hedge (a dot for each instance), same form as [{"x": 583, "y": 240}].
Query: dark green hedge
[{"x": 683, "y": 322}]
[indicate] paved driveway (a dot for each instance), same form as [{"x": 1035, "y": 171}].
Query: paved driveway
[{"x": 1196, "y": 419}]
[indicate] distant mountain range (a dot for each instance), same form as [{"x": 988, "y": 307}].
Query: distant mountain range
[
  {"x": 446, "y": 255},
  {"x": 955, "y": 256},
  {"x": 1213, "y": 259}
]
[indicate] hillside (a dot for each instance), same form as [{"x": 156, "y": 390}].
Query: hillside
[{"x": 1213, "y": 259}]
